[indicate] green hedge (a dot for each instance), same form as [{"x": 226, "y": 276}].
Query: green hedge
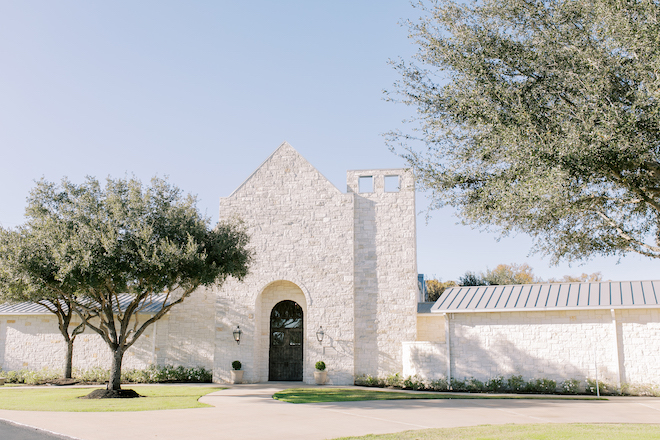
[
  {"x": 152, "y": 374},
  {"x": 513, "y": 384}
]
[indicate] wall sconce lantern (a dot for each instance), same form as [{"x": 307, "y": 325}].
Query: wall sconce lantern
[
  {"x": 319, "y": 334},
  {"x": 237, "y": 335}
]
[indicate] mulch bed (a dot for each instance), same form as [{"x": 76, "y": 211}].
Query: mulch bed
[{"x": 111, "y": 394}]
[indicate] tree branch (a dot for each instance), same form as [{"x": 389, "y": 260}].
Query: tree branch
[
  {"x": 165, "y": 308},
  {"x": 654, "y": 250}
]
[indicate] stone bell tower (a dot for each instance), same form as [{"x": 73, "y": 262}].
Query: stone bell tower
[{"x": 385, "y": 267}]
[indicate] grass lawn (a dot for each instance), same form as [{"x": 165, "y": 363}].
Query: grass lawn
[
  {"x": 317, "y": 395},
  {"x": 66, "y": 399},
  {"x": 526, "y": 432}
]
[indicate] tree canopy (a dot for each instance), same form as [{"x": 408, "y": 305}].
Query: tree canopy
[
  {"x": 435, "y": 288},
  {"x": 95, "y": 244},
  {"x": 583, "y": 278},
  {"x": 541, "y": 117},
  {"x": 502, "y": 274}
]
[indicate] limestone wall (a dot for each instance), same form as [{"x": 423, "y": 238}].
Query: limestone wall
[
  {"x": 385, "y": 270},
  {"x": 33, "y": 342},
  {"x": 182, "y": 337},
  {"x": 639, "y": 345},
  {"x": 301, "y": 229},
  {"x": 556, "y": 345},
  {"x": 426, "y": 360},
  {"x": 187, "y": 337},
  {"x": 430, "y": 328}
]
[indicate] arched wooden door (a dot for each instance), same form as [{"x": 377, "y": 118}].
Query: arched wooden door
[{"x": 285, "y": 357}]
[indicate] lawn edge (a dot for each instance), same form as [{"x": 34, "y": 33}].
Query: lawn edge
[
  {"x": 215, "y": 388},
  {"x": 432, "y": 396}
]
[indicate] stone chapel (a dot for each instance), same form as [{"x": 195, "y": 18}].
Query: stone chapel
[
  {"x": 343, "y": 263},
  {"x": 334, "y": 279}
]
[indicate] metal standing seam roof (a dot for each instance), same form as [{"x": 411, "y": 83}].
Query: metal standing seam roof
[
  {"x": 30, "y": 308},
  {"x": 424, "y": 307},
  {"x": 554, "y": 296}
]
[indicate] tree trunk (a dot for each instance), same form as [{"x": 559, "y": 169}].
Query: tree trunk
[
  {"x": 68, "y": 362},
  {"x": 115, "y": 372}
]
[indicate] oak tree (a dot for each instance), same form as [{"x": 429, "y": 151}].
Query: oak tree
[
  {"x": 541, "y": 117},
  {"x": 101, "y": 245}
]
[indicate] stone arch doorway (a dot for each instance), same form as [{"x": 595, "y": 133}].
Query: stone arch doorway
[{"x": 285, "y": 354}]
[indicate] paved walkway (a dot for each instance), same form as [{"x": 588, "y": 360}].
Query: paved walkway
[{"x": 248, "y": 412}]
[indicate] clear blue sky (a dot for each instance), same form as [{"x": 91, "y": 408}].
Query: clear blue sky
[{"x": 204, "y": 91}]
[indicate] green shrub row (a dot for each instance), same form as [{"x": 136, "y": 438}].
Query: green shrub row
[
  {"x": 167, "y": 373},
  {"x": 152, "y": 374},
  {"x": 513, "y": 384},
  {"x": 30, "y": 377}
]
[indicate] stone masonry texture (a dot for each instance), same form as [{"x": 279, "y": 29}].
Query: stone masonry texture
[
  {"x": 555, "y": 345},
  {"x": 33, "y": 342}
]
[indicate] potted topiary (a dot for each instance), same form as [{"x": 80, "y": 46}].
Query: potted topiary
[
  {"x": 320, "y": 375},
  {"x": 236, "y": 372}
]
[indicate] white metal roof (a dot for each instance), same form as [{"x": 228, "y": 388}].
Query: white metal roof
[
  {"x": 556, "y": 296},
  {"x": 29, "y": 308}
]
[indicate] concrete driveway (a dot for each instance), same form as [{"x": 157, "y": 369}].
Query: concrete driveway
[{"x": 249, "y": 412}]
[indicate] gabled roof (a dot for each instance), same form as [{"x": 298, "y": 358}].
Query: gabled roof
[
  {"x": 284, "y": 148},
  {"x": 556, "y": 296},
  {"x": 29, "y": 308}
]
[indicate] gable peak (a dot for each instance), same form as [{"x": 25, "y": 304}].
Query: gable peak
[
  {"x": 284, "y": 146},
  {"x": 287, "y": 153}
]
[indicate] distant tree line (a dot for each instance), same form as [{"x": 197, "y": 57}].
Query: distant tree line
[{"x": 501, "y": 275}]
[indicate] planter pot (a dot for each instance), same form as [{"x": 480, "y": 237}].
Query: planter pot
[
  {"x": 320, "y": 377},
  {"x": 3, "y": 380},
  {"x": 236, "y": 376}
]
